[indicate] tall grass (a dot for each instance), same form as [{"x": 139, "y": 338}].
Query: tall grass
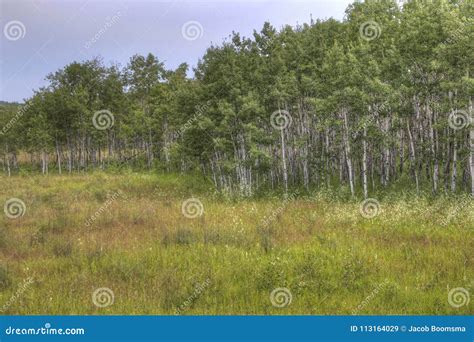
[{"x": 153, "y": 258}]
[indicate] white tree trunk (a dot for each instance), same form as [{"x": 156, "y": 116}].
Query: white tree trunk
[
  {"x": 413, "y": 156},
  {"x": 364, "y": 164},
  {"x": 348, "y": 151},
  {"x": 283, "y": 161},
  {"x": 454, "y": 174},
  {"x": 471, "y": 160},
  {"x": 471, "y": 145}
]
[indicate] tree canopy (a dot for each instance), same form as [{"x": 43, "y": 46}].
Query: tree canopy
[{"x": 382, "y": 98}]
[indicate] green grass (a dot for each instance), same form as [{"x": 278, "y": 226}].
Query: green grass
[{"x": 156, "y": 260}]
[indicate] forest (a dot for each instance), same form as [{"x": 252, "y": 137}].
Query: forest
[
  {"x": 380, "y": 100},
  {"x": 325, "y": 168}
]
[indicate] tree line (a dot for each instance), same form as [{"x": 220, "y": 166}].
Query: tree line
[{"x": 382, "y": 98}]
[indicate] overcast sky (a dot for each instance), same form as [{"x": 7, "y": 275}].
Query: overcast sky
[{"x": 41, "y": 36}]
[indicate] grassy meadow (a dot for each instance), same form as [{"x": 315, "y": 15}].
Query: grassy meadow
[{"x": 127, "y": 233}]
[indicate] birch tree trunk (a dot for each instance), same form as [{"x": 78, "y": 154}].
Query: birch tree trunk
[
  {"x": 348, "y": 151},
  {"x": 364, "y": 164},
  {"x": 283, "y": 160},
  {"x": 432, "y": 121},
  {"x": 454, "y": 174},
  {"x": 58, "y": 154},
  {"x": 386, "y": 163},
  {"x": 413, "y": 156},
  {"x": 471, "y": 146},
  {"x": 471, "y": 160},
  {"x": 7, "y": 157}
]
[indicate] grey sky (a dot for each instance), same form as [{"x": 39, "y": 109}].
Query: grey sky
[{"x": 59, "y": 32}]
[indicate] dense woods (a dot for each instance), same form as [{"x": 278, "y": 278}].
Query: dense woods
[{"x": 381, "y": 99}]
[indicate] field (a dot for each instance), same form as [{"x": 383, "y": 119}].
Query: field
[{"x": 124, "y": 244}]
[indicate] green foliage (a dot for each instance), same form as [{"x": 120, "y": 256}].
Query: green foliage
[{"x": 374, "y": 91}]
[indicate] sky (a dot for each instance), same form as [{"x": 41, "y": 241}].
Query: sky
[{"x": 41, "y": 36}]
